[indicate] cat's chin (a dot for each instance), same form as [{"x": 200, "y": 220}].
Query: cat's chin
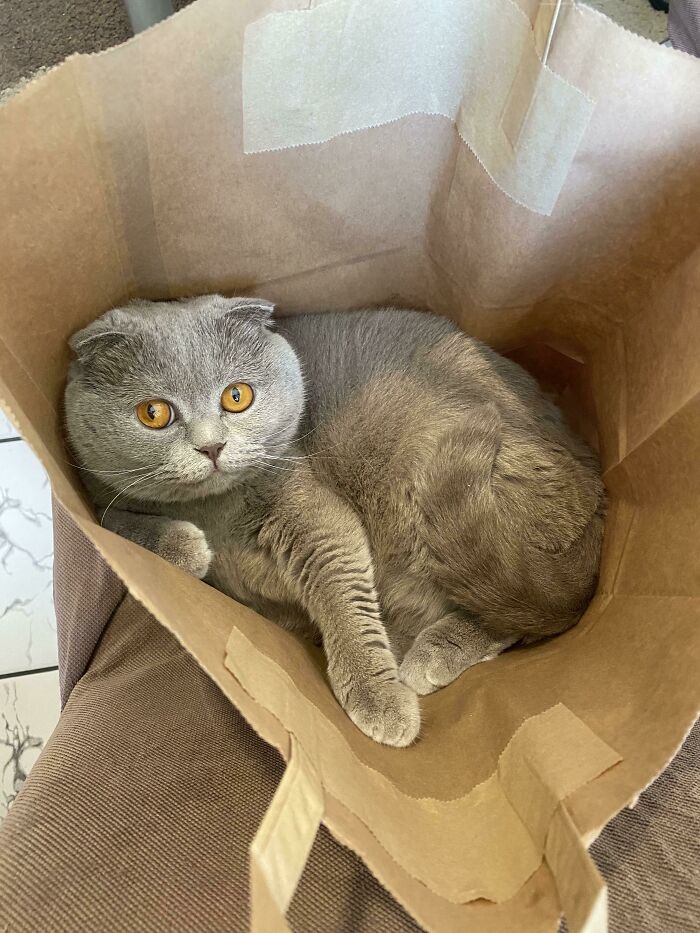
[{"x": 213, "y": 484}]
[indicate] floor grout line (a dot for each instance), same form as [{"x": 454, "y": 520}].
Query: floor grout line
[{"x": 37, "y": 670}]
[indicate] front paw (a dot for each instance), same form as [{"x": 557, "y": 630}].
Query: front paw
[
  {"x": 386, "y": 711},
  {"x": 424, "y": 670},
  {"x": 430, "y": 664},
  {"x": 183, "y": 544}
]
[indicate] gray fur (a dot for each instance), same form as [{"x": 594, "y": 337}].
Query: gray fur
[{"x": 413, "y": 500}]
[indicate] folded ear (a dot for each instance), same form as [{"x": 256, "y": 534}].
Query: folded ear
[
  {"x": 106, "y": 332},
  {"x": 250, "y": 309}
]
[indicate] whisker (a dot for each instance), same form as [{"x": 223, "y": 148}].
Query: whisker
[
  {"x": 316, "y": 453},
  {"x": 263, "y": 456},
  {"x": 111, "y": 472},
  {"x": 273, "y": 470},
  {"x": 85, "y": 469},
  {"x": 295, "y": 440},
  {"x": 139, "y": 479},
  {"x": 280, "y": 459}
]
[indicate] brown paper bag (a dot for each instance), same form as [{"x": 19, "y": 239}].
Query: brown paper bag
[{"x": 532, "y": 171}]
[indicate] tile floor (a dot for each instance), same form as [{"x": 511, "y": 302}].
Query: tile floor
[
  {"x": 28, "y": 714},
  {"x": 29, "y": 694}
]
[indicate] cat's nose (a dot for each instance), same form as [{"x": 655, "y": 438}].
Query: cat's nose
[{"x": 212, "y": 451}]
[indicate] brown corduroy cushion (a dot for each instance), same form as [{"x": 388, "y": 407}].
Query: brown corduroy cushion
[
  {"x": 86, "y": 594},
  {"x": 650, "y": 855},
  {"x": 140, "y": 811}
]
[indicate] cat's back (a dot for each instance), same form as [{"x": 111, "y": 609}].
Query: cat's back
[
  {"x": 342, "y": 350},
  {"x": 405, "y": 362}
]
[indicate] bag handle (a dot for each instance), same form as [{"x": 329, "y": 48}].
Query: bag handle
[
  {"x": 583, "y": 895},
  {"x": 281, "y": 847},
  {"x": 283, "y": 842}
]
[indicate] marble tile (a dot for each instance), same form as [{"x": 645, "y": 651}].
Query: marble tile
[
  {"x": 27, "y": 621},
  {"x": 6, "y": 429},
  {"x": 29, "y": 710}
]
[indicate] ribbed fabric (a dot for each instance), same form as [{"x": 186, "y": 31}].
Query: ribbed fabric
[
  {"x": 650, "y": 855},
  {"x": 684, "y": 25},
  {"x": 86, "y": 593},
  {"x": 140, "y": 811}
]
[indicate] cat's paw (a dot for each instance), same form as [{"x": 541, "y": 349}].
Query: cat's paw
[
  {"x": 424, "y": 670},
  {"x": 445, "y": 650},
  {"x": 387, "y": 712},
  {"x": 183, "y": 544},
  {"x": 428, "y": 666}
]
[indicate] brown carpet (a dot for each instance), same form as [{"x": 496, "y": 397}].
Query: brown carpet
[{"x": 40, "y": 33}]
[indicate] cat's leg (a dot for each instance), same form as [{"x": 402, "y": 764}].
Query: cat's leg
[
  {"x": 179, "y": 542},
  {"x": 319, "y": 542},
  {"x": 442, "y": 651}
]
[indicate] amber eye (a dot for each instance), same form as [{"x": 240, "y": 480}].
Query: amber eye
[
  {"x": 237, "y": 397},
  {"x": 155, "y": 413}
]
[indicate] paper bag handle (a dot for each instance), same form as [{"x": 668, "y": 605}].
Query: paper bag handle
[
  {"x": 282, "y": 844},
  {"x": 583, "y": 896}
]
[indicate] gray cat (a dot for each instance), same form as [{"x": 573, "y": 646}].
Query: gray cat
[{"x": 374, "y": 479}]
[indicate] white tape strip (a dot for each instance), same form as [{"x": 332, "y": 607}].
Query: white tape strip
[{"x": 346, "y": 65}]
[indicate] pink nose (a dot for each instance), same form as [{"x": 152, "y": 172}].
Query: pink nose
[{"x": 212, "y": 451}]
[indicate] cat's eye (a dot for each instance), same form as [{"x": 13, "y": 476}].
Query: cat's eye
[
  {"x": 237, "y": 397},
  {"x": 155, "y": 413}
]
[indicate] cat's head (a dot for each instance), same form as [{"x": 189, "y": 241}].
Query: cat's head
[{"x": 181, "y": 398}]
